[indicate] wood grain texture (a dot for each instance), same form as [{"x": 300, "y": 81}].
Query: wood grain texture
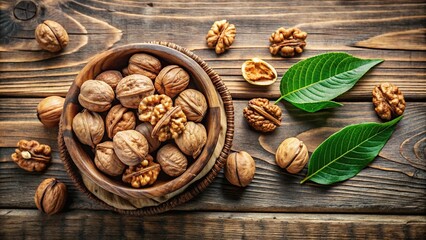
[
  {"x": 394, "y": 183},
  {"x": 356, "y": 27},
  {"x": 226, "y": 225}
]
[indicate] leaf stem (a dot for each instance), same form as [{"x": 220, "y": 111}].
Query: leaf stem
[{"x": 279, "y": 99}]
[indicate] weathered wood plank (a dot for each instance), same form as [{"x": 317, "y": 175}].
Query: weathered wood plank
[
  {"x": 192, "y": 225},
  {"x": 394, "y": 183}
]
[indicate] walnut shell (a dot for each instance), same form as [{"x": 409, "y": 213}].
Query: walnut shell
[
  {"x": 132, "y": 89},
  {"x": 88, "y": 127},
  {"x": 96, "y": 95},
  {"x": 171, "y": 80},
  {"x": 143, "y": 174},
  {"x": 193, "y": 104},
  {"x": 240, "y": 168},
  {"x": 130, "y": 146},
  {"x": 292, "y": 155},
  {"x": 172, "y": 160},
  {"x": 49, "y": 110},
  {"x": 111, "y": 77},
  {"x": 107, "y": 161},
  {"x": 51, "y": 196},
  {"x": 144, "y": 64},
  {"x": 193, "y": 139},
  {"x": 51, "y": 36},
  {"x": 118, "y": 119},
  {"x": 146, "y": 130},
  {"x": 32, "y": 156}
]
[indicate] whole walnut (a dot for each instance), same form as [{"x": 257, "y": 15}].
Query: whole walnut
[
  {"x": 146, "y": 130},
  {"x": 193, "y": 139},
  {"x": 118, "y": 119},
  {"x": 51, "y": 196},
  {"x": 111, "y": 77},
  {"x": 32, "y": 156},
  {"x": 49, "y": 110},
  {"x": 292, "y": 155},
  {"x": 287, "y": 42},
  {"x": 107, "y": 161},
  {"x": 132, "y": 89},
  {"x": 51, "y": 36},
  {"x": 143, "y": 174},
  {"x": 88, "y": 127},
  {"x": 145, "y": 64},
  {"x": 96, "y": 95},
  {"x": 193, "y": 104},
  {"x": 171, "y": 80},
  {"x": 388, "y": 100},
  {"x": 221, "y": 36},
  {"x": 172, "y": 160},
  {"x": 240, "y": 168},
  {"x": 130, "y": 146},
  {"x": 152, "y": 108},
  {"x": 262, "y": 116}
]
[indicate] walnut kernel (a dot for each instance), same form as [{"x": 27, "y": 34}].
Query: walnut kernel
[
  {"x": 145, "y": 173},
  {"x": 32, "y": 156},
  {"x": 287, "y": 42},
  {"x": 388, "y": 100},
  {"x": 221, "y": 36},
  {"x": 262, "y": 116}
]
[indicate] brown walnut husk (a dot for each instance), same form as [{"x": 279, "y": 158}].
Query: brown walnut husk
[
  {"x": 171, "y": 80},
  {"x": 388, "y": 100},
  {"x": 107, "y": 161},
  {"x": 193, "y": 104},
  {"x": 130, "y": 146},
  {"x": 32, "y": 156},
  {"x": 146, "y": 130},
  {"x": 193, "y": 139},
  {"x": 262, "y": 116},
  {"x": 111, "y": 77},
  {"x": 145, "y": 173},
  {"x": 172, "y": 160},
  {"x": 88, "y": 127},
  {"x": 240, "y": 168},
  {"x": 287, "y": 42},
  {"x": 51, "y": 36},
  {"x": 51, "y": 196},
  {"x": 144, "y": 64},
  {"x": 96, "y": 95},
  {"x": 221, "y": 36},
  {"x": 132, "y": 89},
  {"x": 292, "y": 155},
  {"x": 118, "y": 119},
  {"x": 49, "y": 110}
]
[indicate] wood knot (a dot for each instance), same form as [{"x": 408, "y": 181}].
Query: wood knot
[{"x": 25, "y": 10}]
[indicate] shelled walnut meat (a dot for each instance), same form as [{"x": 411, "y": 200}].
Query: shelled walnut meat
[
  {"x": 193, "y": 139},
  {"x": 152, "y": 108},
  {"x": 221, "y": 36},
  {"x": 145, "y": 173},
  {"x": 51, "y": 36},
  {"x": 88, "y": 127},
  {"x": 388, "y": 101},
  {"x": 51, "y": 196},
  {"x": 130, "y": 146},
  {"x": 144, "y": 64},
  {"x": 262, "y": 116},
  {"x": 118, "y": 119},
  {"x": 96, "y": 95},
  {"x": 171, "y": 80},
  {"x": 287, "y": 42},
  {"x": 193, "y": 104},
  {"x": 107, "y": 161},
  {"x": 132, "y": 89},
  {"x": 32, "y": 156},
  {"x": 172, "y": 161},
  {"x": 111, "y": 77},
  {"x": 49, "y": 110}
]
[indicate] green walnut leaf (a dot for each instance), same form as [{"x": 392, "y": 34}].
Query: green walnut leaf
[
  {"x": 345, "y": 153},
  {"x": 311, "y": 84}
]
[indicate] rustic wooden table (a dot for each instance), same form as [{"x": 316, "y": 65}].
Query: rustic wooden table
[{"x": 387, "y": 200}]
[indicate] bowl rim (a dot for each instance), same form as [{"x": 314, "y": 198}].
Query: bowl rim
[{"x": 88, "y": 168}]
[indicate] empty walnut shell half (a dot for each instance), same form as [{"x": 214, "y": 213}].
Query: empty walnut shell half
[
  {"x": 172, "y": 160},
  {"x": 107, "y": 161},
  {"x": 88, "y": 127},
  {"x": 171, "y": 80},
  {"x": 146, "y": 130},
  {"x": 96, "y": 95},
  {"x": 193, "y": 139},
  {"x": 193, "y": 104},
  {"x": 145, "y": 173},
  {"x": 118, "y": 119},
  {"x": 111, "y": 77},
  {"x": 51, "y": 196},
  {"x": 262, "y": 116},
  {"x": 258, "y": 72},
  {"x": 130, "y": 146},
  {"x": 32, "y": 156},
  {"x": 132, "y": 89},
  {"x": 145, "y": 64}
]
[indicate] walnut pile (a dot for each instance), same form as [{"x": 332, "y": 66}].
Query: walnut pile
[
  {"x": 388, "y": 101},
  {"x": 262, "y": 116},
  {"x": 221, "y": 36},
  {"x": 287, "y": 42},
  {"x": 32, "y": 156}
]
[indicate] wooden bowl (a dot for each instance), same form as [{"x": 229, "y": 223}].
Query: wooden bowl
[{"x": 116, "y": 59}]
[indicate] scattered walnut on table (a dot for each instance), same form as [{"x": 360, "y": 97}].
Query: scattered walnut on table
[
  {"x": 287, "y": 42},
  {"x": 240, "y": 168},
  {"x": 388, "y": 100},
  {"x": 49, "y": 110},
  {"x": 32, "y": 156},
  {"x": 262, "y": 116},
  {"x": 51, "y": 36},
  {"x": 221, "y": 36},
  {"x": 292, "y": 155},
  {"x": 51, "y": 196}
]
